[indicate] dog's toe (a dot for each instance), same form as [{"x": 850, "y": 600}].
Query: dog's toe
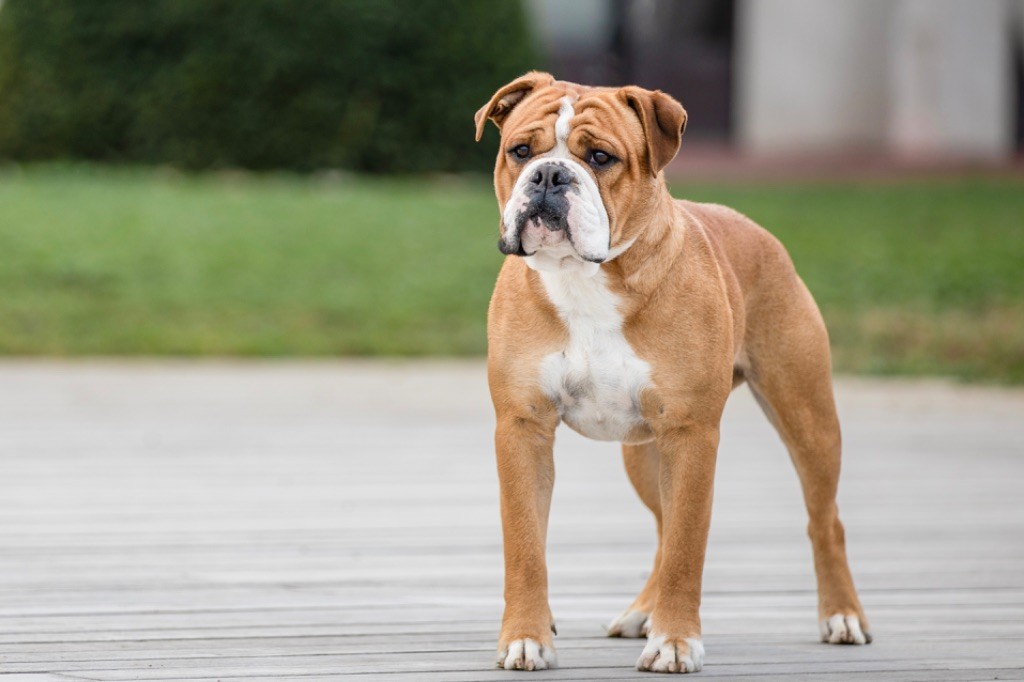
[
  {"x": 527, "y": 654},
  {"x": 662, "y": 655},
  {"x": 843, "y": 629},
  {"x": 631, "y": 624}
]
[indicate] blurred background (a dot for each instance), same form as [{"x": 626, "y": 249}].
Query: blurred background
[{"x": 264, "y": 178}]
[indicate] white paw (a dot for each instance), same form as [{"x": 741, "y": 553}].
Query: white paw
[
  {"x": 661, "y": 656},
  {"x": 527, "y": 654},
  {"x": 632, "y": 624},
  {"x": 840, "y": 629}
]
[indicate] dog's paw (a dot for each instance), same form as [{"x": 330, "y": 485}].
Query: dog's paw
[
  {"x": 527, "y": 654},
  {"x": 630, "y": 624},
  {"x": 663, "y": 655},
  {"x": 840, "y": 629}
]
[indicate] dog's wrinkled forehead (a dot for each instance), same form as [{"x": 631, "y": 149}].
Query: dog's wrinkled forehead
[
  {"x": 540, "y": 105},
  {"x": 550, "y": 114},
  {"x": 643, "y": 126}
]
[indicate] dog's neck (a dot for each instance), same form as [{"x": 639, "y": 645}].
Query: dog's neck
[{"x": 656, "y": 243}]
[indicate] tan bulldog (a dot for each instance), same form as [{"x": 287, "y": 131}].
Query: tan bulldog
[{"x": 631, "y": 316}]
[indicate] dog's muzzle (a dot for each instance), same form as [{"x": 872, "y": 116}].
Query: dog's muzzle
[
  {"x": 555, "y": 206},
  {"x": 548, "y": 189},
  {"x": 544, "y": 206}
]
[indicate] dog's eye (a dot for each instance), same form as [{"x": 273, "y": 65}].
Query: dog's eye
[
  {"x": 598, "y": 158},
  {"x": 521, "y": 151}
]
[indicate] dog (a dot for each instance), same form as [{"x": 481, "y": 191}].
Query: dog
[{"x": 631, "y": 316}]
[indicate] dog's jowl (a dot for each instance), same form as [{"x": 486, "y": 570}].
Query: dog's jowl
[{"x": 631, "y": 316}]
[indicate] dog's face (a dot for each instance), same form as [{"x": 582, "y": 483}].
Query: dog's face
[{"x": 579, "y": 168}]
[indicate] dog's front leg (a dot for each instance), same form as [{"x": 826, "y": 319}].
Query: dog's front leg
[
  {"x": 526, "y": 473},
  {"x": 688, "y": 456}
]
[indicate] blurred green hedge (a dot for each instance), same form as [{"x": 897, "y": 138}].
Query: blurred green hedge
[{"x": 368, "y": 85}]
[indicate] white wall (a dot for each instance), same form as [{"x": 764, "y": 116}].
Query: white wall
[
  {"x": 811, "y": 73},
  {"x": 951, "y": 86},
  {"x": 913, "y": 76},
  {"x": 572, "y": 23}
]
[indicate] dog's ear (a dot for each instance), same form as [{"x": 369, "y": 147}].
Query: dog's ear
[
  {"x": 507, "y": 97},
  {"x": 663, "y": 120}
]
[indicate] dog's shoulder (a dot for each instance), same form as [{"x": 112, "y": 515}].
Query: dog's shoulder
[
  {"x": 742, "y": 245},
  {"x": 723, "y": 223}
]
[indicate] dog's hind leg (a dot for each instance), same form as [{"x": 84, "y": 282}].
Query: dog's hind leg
[
  {"x": 642, "y": 465},
  {"x": 790, "y": 375}
]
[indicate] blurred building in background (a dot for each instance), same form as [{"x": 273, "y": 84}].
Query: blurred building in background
[{"x": 910, "y": 78}]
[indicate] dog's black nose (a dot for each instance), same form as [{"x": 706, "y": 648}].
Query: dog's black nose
[{"x": 550, "y": 176}]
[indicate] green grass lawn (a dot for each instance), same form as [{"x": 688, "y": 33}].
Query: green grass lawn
[{"x": 915, "y": 278}]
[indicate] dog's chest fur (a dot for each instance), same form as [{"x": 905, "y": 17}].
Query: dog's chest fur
[{"x": 596, "y": 379}]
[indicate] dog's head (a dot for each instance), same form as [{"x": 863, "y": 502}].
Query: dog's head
[{"x": 578, "y": 168}]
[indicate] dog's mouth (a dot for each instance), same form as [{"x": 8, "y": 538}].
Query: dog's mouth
[
  {"x": 545, "y": 240},
  {"x": 543, "y": 229},
  {"x": 538, "y": 227},
  {"x": 546, "y": 231},
  {"x": 543, "y": 214}
]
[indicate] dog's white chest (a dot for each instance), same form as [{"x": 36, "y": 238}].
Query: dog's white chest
[{"x": 596, "y": 379}]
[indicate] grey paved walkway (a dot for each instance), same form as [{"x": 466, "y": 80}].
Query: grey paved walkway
[{"x": 183, "y": 521}]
